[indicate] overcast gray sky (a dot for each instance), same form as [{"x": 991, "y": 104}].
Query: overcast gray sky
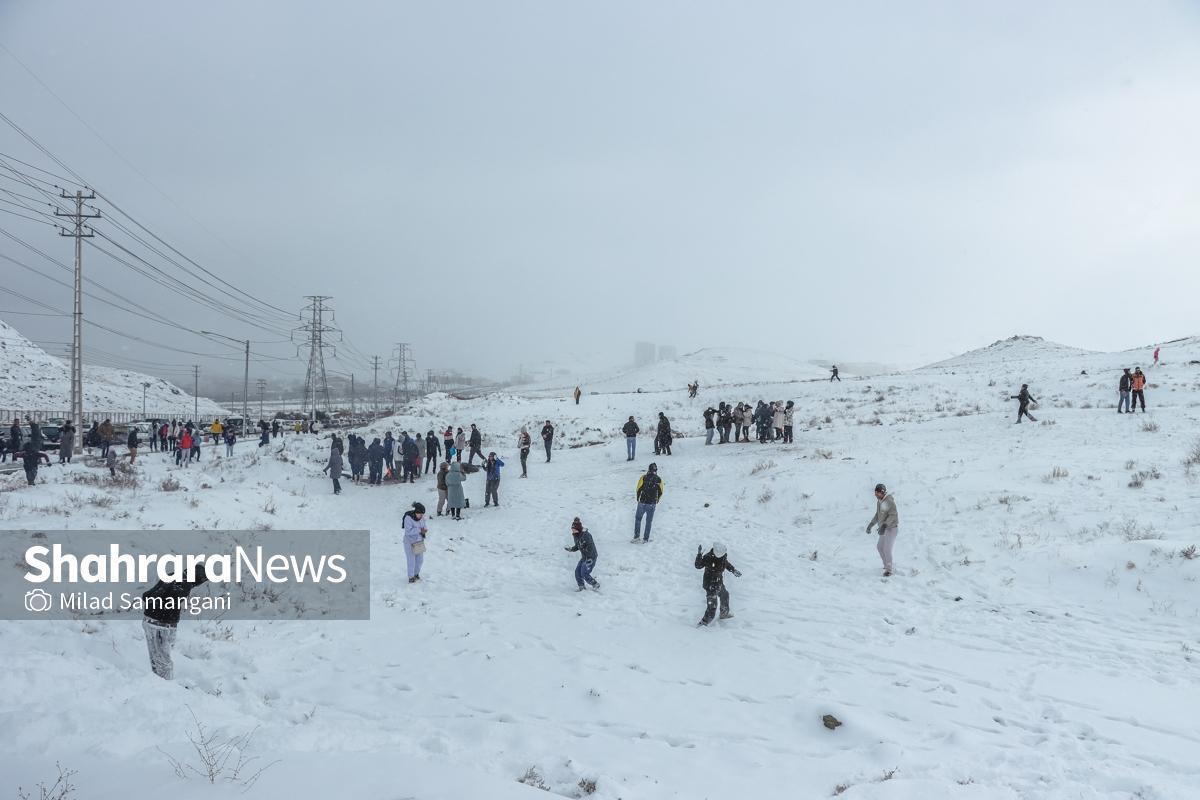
[{"x": 500, "y": 183}]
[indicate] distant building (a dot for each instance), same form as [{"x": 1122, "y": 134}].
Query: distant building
[
  {"x": 643, "y": 354},
  {"x": 667, "y": 352}
]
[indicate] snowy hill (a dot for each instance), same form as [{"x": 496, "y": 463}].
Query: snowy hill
[
  {"x": 33, "y": 380},
  {"x": 1038, "y": 640},
  {"x": 1011, "y": 352}
]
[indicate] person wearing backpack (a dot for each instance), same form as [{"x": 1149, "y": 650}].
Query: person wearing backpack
[
  {"x": 415, "y": 529},
  {"x": 649, "y": 491},
  {"x": 586, "y": 547},
  {"x": 715, "y": 564}
]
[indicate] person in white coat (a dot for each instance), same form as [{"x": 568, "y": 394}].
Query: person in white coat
[
  {"x": 415, "y": 529},
  {"x": 888, "y": 521},
  {"x": 777, "y": 418}
]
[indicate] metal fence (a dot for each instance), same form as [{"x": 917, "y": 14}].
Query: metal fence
[{"x": 41, "y": 415}]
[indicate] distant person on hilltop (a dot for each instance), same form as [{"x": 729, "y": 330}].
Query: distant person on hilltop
[
  {"x": 1024, "y": 398},
  {"x": 693, "y": 388},
  {"x": 578, "y": 394},
  {"x": 1123, "y": 388},
  {"x": 1156, "y": 349},
  {"x": 1138, "y": 384},
  {"x": 833, "y": 375},
  {"x": 889, "y": 525},
  {"x": 631, "y": 430}
]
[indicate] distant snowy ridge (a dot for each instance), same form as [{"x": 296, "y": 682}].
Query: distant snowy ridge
[{"x": 33, "y": 380}]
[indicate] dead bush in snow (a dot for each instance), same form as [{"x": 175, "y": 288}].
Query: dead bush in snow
[
  {"x": 534, "y": 778},
  {"x": 170, "y": 484},
  {"x": 823, "y": 454},
  {"x": 586, "y": 787},
  {"x": 1055, "y": 474},
  {"x": 1139, "y": 478},
  {"x": 1150, "y": 426},
  {"x": 61, "y": 789},
  {"x": 1188, "y": 552},
  {"x": 126, "y": 477},
  {"x": 1193, "y": 457},
  {"x": 762, "y": 466},
  {"x": 766, "y": 495},
  {"x": 221, "y": 758},
  {"x": 1133, "y": 531}
]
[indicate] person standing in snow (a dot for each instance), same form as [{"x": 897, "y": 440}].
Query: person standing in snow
[
  {"x": 195, "y": 451},
  {"x": 216, "y": 429},
  {"x": 455, "y": 496},
  {"x": 264, "y": 433},
  {"x": 789, "y": 411},
  {"x": 586, "y": 547},
  {"x": 433, "y": 449},
  {"x": 475, "y": 440},
  {"x": 648, "y": 492},
  {"x": 276, "y": 429},
  {"x": 162, "y": 608},
  {"x": 1155, "y": 364},
  {"x": 747, "y": 421},
  {"x": 230, "y": 441},
  {"x": 412, "y": 458},
  {"x": 833, "y": 375},
  {"x": 375, "y": 462},
  {"x": 715, "y": 564},
  {"x": 334, "y": 468},
  {"x": 1138, "y": 386},
  {"x": 889, "y": 525},
  {"x": 389, "y": 452},
  {"x": 110, "y": 461},
  {"x": 415, "y": 529},
  {"x": 185, "y": 446},
  {"x": 1123, "y": 389},
  {"x": 631, "y": 431},
  {"x": 724, "y": 421},
  {"x": 491, "y": 471},
  {"x": 106, "y": 437},
  {"x": 66, "y": 443},
  {"x": 662, "y": 436},
  {"x": 32, "y": 458},
  {"x": 777, "y": 418},
  {"x": 578, "y": 394},
  {"x": 133, "y": 443},
  {"x": 709, "y": 425},
  {"x": 172, "y": 437},
  {"x": 524, "y": 442},
  {"x": 15, "y": 437},
  {"x": 1024, "y": 398},
  {"x": 548, "y": 438},
  {"x": 448, "y": 442},
  {"x": 441, "y": 486}
]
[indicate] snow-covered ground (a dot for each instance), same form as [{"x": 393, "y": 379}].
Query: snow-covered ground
[
  {"x": 1041, "y": 640},
  {"x": 33, "y": 380}
]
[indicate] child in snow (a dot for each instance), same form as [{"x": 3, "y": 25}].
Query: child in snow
[
  {"x": 889, "y": 525},
  {"x": 110, "y": 461},
  {"x": 415, "y": 529},
  {"x": 586, "y": 548},
  {"x": 714, "y": 563}
]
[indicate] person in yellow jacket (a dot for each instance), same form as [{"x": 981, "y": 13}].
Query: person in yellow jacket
[
  {"x": 649, "y": 491},
  {"x": 1138, "y": 384},
  {"x": 216, "y": 429}
]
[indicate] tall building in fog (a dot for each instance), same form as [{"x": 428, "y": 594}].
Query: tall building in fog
[{"x": 643, "y": 354}]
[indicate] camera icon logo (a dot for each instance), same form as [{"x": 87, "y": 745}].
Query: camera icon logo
[{"x": 38, "y": 600}]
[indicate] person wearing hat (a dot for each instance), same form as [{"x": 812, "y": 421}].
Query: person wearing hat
[
  {"x": 715, "y": 563},
  {"x": 456, "y": 498},
  {"x": 649, "y": 491},
  {"x": 631, "y": 431},
  {"x": 491, "y": 472},
  {"x": 889, "y": 525},
  {"x": 1024, "y": 398},
  {"x": 586, "y": 547},
  {"x": 415, "y": 529}
]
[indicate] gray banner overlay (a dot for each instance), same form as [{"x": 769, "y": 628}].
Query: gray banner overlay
[{"x": 283, "y": 575}]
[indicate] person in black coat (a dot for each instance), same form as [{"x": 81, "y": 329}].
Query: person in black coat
[
  {"x": 715, "y": 563},
  {"x": 433, "y": 449},
  {"x": 357, "y": 456},
  {"x": 161, "y": 605},
  {"x": 32, "y": 458},
  {"x": 15, "y": 437},
  {"x": 548, "y": 438},
  {"x": 1023, "y": 399},
  {"x": 586, "y": 547},
  {"x": 475, "y": 442},
  {"x": 375, "y": 462},
  {"x": 662, "y": 437},
  {"x": 410, "y": 452},
  {"x": 709, "y": 424}
]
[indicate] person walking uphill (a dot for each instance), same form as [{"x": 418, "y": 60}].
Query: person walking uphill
[
  {"x": 715, "y": 564},
  {"x": 586, "y": 547},
  {"x": 1024, "y": 398},
  {"x": 491, "y": 469},
  {"x": 631, "y": 430},
  {"x": 889, "y": 525},
  {"x": 415, "y": 529},
  {"x": 163, "y": 603},
  {"x": 548, "y": 438},
  {"x": 649, "y": 491},
  {"x": 1123, "y": 388},
  {"x": 455, "y": 497},
  {"x": 476, "y": 442}
]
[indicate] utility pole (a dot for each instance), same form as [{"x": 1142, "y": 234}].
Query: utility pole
[
  {"x": 145, "y": 386},
  {"x": 352, "y": 394},
  {"x": 245, "y": 377},
  {"x": 316, "y": 383},
  {"x": 375, "y": 390},
  {"x": 262, "y": 386},
  {"x": 77, "y": 332},
  {"x": 196, "y": 393}
]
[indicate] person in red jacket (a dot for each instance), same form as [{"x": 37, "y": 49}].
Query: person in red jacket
[{"x": 185, "y": 446}]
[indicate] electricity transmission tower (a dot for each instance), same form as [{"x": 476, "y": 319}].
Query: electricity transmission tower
[
  {"x": 316, "y": 328},
  {"x": 80, "y": 233},
  {"x": 405, "y": 368}
]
